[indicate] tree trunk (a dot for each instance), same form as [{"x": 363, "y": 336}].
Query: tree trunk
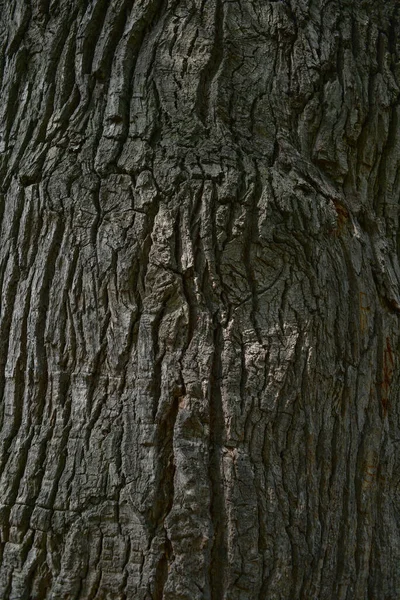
[{"x": 200, "y": 299}]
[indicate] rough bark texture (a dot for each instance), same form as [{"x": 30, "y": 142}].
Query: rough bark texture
[{"x": 199, "y": 322}]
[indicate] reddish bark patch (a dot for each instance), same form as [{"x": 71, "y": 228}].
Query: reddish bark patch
[
  {"x": 388, "y": 370},
  {"x": 342, "y": 217}
]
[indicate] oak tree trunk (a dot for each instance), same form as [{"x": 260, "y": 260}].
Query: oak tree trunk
[{"x": 200, "y": 299}]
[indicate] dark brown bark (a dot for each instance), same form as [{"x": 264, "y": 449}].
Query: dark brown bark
[{"x": 199, "y": 320}]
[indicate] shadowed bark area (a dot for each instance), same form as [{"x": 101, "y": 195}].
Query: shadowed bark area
[{"x": 200, "y": 300}]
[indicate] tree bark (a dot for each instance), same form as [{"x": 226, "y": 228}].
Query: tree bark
[{"x": 200, "y": 299}]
